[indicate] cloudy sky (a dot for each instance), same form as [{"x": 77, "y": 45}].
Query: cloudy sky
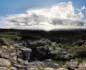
[
  {"x": 8, "y": 7},
  {"x": 42, "y": 12}
]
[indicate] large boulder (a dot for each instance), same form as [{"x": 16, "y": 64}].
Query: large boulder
[{"x": 24, "y": 53}]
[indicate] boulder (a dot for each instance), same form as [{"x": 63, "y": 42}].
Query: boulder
[
  {"x": 13, "y": 68},
  {"x": 24, "y": 53},
  {"x": 5, "y": 62}
]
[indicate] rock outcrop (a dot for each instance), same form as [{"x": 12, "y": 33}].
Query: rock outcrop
[{"x": 41, "y": 50}]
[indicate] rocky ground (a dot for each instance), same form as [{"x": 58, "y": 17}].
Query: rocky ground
[{"x": 37, "y": 51}]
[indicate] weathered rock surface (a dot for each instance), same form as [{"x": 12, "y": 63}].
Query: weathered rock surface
[
  {"x": 43, "y": 50},
  {"x": 5, "y": 62},
  {"x": 62, "y": 69},
  {"x": 4, "y": 68}
]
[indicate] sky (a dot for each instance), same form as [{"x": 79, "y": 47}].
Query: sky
[
  {"x": 10, "y": 7},
  {"x": 42, "y": 13}
]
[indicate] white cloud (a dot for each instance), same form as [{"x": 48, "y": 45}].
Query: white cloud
[
  {"x": 83, "y": 8},
  {"x": 60, "y": 14}
]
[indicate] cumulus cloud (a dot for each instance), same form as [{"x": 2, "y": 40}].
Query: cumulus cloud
[{"x": 60, "y": 14}]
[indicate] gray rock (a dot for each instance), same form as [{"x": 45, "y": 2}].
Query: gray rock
[
  {"x": 36, "y": 63},
  {"x": 24, "y": 53},
  {"x": 32, "y": 68},
  {"x": 19, "y": 66},
  {"x": 49, "y": 68},
  {"x": 51, "y": 64},
  {"x": 62, "y": 69},
  {"x": 4, "y": 53},
  {"x": 20, "y": 61},
  {"x": 13, "y": 68},
  {"x": 5, "y": 62},
  {"x": 4, "y": 68}
]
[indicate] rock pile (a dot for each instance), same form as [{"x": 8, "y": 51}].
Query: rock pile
[{"x": 41, "y": 52}]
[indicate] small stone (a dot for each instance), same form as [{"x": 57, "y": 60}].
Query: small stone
[
  {"x": 62, "y": 69},
  {"x": 32, "y": 68},
  {"x": 13, "y": 68},
  {"x": 12, "y": 47},
  {"x": 51, "y": 64},
  {"x": 18, "y": 65},
  {"x": 5, "y": 62},
  {"x": 26, "y": 62},
  {"x": 20, "y": 61},
  {"x": 4, "y": 47},
  {"x": 13, "y": 54},
  {"x": 49, "y": 68}
]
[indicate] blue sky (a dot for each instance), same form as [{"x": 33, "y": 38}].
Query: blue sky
[{"x": 9, "y": 7}]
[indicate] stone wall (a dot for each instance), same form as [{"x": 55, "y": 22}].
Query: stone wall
[{"x": 40, "y": 50}]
